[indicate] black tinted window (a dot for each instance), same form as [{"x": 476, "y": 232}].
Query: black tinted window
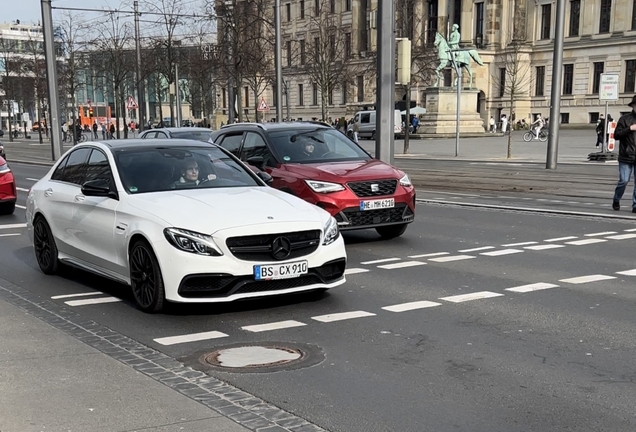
[
  {"x": 255, "y": 145},
  {"x": 75, "y": 169},
  {"x": 149, "y": 135},
  {"x": 161, "y": 135},
  {"x": 98, "y": 167},
  {"x": 193, "y": 135},
  {"x": 232, "y": 143},
  {"x": 365, "y": 118},
  {"x": 58, "y": 174}
]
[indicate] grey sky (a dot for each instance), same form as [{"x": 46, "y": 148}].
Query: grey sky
[{"x": 28, "y": 11}]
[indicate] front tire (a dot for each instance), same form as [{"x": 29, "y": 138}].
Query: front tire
[
  {"x": 527, "y": 137},
  {"x": 7, "y": 208},
  {"x": 145, "y": 278},
  {"x": 44, "y": 246},
  {"x": 392, "y": 231}
]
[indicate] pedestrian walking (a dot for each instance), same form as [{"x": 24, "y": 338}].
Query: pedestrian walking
[
  {"x": 356, "y": 130},
  {"x": 492, "y": 124},
  {"x": 600, "y": 127},
  {"x": 112, "y": 131},
  {"x": 95, "y": 130},
  {"x": 103, "y": 131},
  {"x": 504, "y": 123},
  {"x": 65, "y": 131},
  {"x": 626, "y": 133}
]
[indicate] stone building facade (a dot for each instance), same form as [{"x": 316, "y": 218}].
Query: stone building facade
[{"x": 600, "y": 37}]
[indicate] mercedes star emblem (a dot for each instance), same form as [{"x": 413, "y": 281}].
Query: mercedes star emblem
[{"x": 281, "y": 248}]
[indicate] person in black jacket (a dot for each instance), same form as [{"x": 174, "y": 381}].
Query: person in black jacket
[{"x": 626, "y": 133}]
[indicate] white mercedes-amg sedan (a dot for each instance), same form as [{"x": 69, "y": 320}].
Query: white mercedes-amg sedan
[{"x": 180, "y": 221}]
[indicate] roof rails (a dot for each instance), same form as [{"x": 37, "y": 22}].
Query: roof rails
[{"x": 243, "y": 123}]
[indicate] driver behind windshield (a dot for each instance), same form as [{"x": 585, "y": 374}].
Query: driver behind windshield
[{"x": 189, "y": 175}]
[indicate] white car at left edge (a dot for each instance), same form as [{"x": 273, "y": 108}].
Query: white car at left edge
[{"x": 180, "y": 221}]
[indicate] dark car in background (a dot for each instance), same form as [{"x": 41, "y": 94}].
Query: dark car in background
[
  {"x": 193, "y": 133},
  {"x": 322, "y": 166}
]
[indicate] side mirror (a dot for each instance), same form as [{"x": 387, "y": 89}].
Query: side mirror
[
  {"x": 257, "y": 161},
  {"x": 265, "y": 177},
  {"x": 98, "y": 188}
]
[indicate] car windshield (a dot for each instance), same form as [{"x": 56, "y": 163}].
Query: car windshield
[
  {"x": 193, "y": 135},
  {"x": 315, "y": 145},
  {"x": 179, "y": 168}
]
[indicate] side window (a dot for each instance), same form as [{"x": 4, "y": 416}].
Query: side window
[
  {"x": 58, "y": 174},
  {"x": 75, "y": 169},
  {"x": 150, "y": 135},
  {"x": 161, "y": 135},
  {"x": 365, "y": 118},
  {"x": 232, "y": 143},
  {"x": 356, "y": 119},
  {"x": 98, "y": 167},
  {"x": 255, "y": 145}
]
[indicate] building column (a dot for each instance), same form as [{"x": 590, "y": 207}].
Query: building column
[
  {"x": 467, "y": 32},
  {"x": 493, "y": 17}
]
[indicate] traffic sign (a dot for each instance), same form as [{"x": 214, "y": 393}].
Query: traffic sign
[
  {"x": 131, "y": 104},
  {"x": 612, "y": 141},
  {"x": 262, "y": 106},
  {"x": 608, "y": 90}
]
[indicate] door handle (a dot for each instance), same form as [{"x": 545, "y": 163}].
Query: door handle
[
  {"x": 48, "y": 192},
  {"x": 79, "y": 198}
]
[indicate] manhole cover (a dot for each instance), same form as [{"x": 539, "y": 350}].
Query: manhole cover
[{"x": 253, "y": 357}]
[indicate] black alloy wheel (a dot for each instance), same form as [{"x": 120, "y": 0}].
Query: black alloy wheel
[
  {"x": 391, "y": 231},
  {"x": 44, "y": 246},
  {"x": 145, "y": 278}
]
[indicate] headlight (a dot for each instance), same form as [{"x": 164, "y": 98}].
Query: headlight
[
  {"x": 405, "y": 181},
  {"x": 193, "y": 242},
  {"x": 331, "y": 231},
  {"x": 324, "y": 187}
]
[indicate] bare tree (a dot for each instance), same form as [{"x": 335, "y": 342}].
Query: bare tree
[
  {"x": 37, "y": 69},
  {"x": 328, "y": 52},
  {"x": 13, "y": 72},
  {"x": 260, "y": 68},
  {"x": 513, "y": 78}
]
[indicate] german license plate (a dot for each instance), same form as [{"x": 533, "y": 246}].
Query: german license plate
[
  {"x": 377, "y": 204},
  {"x": 280, "y": 271}
]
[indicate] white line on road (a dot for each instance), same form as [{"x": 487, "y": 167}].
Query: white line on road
[
  {"x": 99, "y": 300},
  {"x": 12, "y": 226},
  {"x": 519, "y": 244},
  {"x": 586, "y": 242},
  {"x": 32, "y": 179},
  {"x": 544, "y": 247},
  {"x": 273, "y": 326},
  {"x": 572, "y": 202},
  {"x": 476, "y": 249},
  {"x": 561, "y": 239},
  {"x": 86, "y": 294},
  {"x": 193, "y": 337},
  {"x": 452, "y": 258},
  {"x": 556, "y": 201},
  {"x": 342, "y": 316},
  {"x": 350, "y": 271},
  {"x": 472, "y": 296},
  {"x": 621, "y": 236},
  {"x": 532, "y": 287},
  {"x": 604, "y": 233},
  {"x": 10, "y": 235},
  {"x": 502, "y": 252},
  {"x": 380, "y": 261},
  {"x": 586, "y": 279},
  {"x": 630, "y": 230},
  {"x": 429, "y": 255},
  {"x": 411, "y": 306},
  {"x": 627, "y": 272},
  {"x": 22, "y": 189},
  {"x": 401, "y": 265}
]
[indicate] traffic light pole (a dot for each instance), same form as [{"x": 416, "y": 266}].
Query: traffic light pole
[
  {"x": 51, "y": 75},
  {"x": 141, "y": 96}
]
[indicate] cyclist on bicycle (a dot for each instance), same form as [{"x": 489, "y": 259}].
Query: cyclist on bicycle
[{"x": 538, "y": 123}]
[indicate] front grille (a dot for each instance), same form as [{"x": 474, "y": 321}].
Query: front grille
[
  {"x": 365, "y": 188},
  {"x": 223, "y": 285},
  {"x": 259, "y": 247},
  {"x": 356, "y": 218}
]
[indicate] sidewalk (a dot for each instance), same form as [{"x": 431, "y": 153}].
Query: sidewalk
[{"x": 50, "y": 381}]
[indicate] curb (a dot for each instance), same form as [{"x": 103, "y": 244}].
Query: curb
[
  {"x": 530, "y": 209},
  {"x": 497, "y": 160}
]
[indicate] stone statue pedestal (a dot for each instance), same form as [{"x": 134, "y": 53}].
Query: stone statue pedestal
[{"x": 441, "y": 112}]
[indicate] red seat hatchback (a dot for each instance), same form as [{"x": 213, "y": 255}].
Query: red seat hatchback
[
  {"x": 321, "y": 165},
  {"x": 8, "y": 193}
]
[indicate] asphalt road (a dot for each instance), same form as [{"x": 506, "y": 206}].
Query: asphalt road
[{"x": 545, "y": 341}]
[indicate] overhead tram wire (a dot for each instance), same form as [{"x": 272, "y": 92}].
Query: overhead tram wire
[{"x": 132, "y": 12}]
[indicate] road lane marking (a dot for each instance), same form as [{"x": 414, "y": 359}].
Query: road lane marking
[
  {"x": 627, "y": 272},
  {"x": 411, "y": 306},
  {"x": 621, "y": 236},
  {"x": 532, "y": 287},
  {"x": 544, "y": 247},
  {"x": 12, "y": 226},
  {"x": 520, "y": 244},
  {"x": 33, "y": 179},
  {"x": 342, "y": 316},
  {"x": 86, "y": 302},
  {"x": 273, "y": 326},
  {"x": 476, "y": 249},
  {"x": 604, "y": 233},
  {"x": 10, "y": 235},
  {"x": 401, "y": 265},
  {"x": 355, "y": 271},
  {"x": 21, "y": 189},
  {"x": 630, "y": 230},
  {"x": 586, "y": 279},
  {"x": 193, "y": 337},
  {"x": 380, "y": 261},
  {"x": 561, "y": 239},
  {"x": 430, "y": 255},
  {"x": 86, "y": 294},
  {"x": 502, "y": 252},
  {"x": 472, "y": 296},
  {"x": 556, "y": 201},
  {"x": 452, "y": 258},
  {"x": 586, "y": 242}
]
